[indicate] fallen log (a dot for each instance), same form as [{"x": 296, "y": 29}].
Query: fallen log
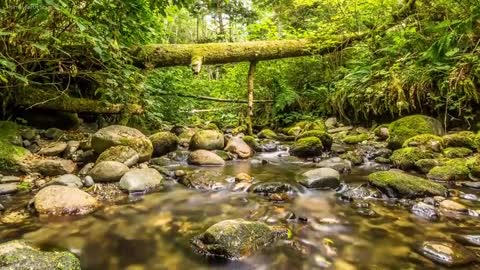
[
  {"x": 29, "y": 98},
  {"x": 214, "y": 99},
  {"x": 196, "y": 55}
]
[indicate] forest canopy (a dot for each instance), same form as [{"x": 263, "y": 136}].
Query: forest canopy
[{"x": 416, "y": 56}]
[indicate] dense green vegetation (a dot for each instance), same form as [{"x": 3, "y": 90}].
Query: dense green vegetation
[{"x": 416, "y": 56}]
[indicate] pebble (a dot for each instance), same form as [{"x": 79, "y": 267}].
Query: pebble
[
  {"x": 88, "y": 181},
  {"x": 450, "y": 205}
]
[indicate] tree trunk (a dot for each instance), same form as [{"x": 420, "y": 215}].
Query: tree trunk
[
  {"x": 164, "y": 55},
  {"x": 214, "y": 99},
  {"x": 53, "y": 100},
  {"x": 250, "y": 84}
]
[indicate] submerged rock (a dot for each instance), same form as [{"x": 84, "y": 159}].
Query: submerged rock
[
  {"x": 121, "y": 135},
  {"x": 468, "y": 239},
  {"x": 446, "y": 253},
  {"x": 121, "y": 153},
  {"x": 268, "y": 188},
  {"x": 204, "y": 180},
  {"x": 108, "y": 171},
  {"x": 307, "y": 147},
  {"x": 397, "y": 183},
  {"x": 63, "y": 200},
  {"x": 164, "y": 143},
  {"x": 425, "y": 211},
  {"x": 336, "y": 163},
  {"x": 17, "y": 255},
  {"x": 237, "y": 238},
  {"x": 409, "y": 126},
  {"x": 141, "y": 180},
  {"x": 322, "y": 178},
  {"x": 207, "y": 140},
  {"x": 205, "y": 158}
]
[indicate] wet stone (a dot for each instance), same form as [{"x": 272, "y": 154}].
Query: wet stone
[
  {"x": 88, "y": 181},
  {"x": 9, "y": 179},
  {"x": 471, "y": 184},
  {"x": 468, "y": 239},
  {"x": 335, "y": 163},
  {"x": 268, "y": 188},
  {"x": 8, "y": 188},
  {"x": 450, "y": 205},
  {"x": 446, "y": 253},
  {"x": 425, "y": 211},
  {"x": 322, "y": 178}
]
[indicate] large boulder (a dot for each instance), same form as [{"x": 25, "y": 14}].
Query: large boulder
[
  {"x": 12, "y": 157},
  {"x": 141, "y": 180},
  {"x": 54, "y": 167},
  {"x": 108, "y": 171},
  {"x": 307, "y": 147},
  {"x": 122, "y": 135},
  {"x": 121, "y": 153},
  {"x": 237, "y": 146},
  {"x": 163, "y": 143},
  {"x": 207, "y": 140},
  {"x": 409, "y": 126},
  {"x": 399, "y": 184},
  {"x": 63, "y": 200},
  {"x": 237, "y": 238},
  {"x": 17, "y": 255},
  {"x": 322, "y": 178},
  {"x": 205, "y": 158}
]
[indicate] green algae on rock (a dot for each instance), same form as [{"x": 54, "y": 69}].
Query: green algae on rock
[
  {"x": 425, "y": 141},
  {"x": 236, "y": 238},
  {"x": 405, "y": 158},
  {"x": 307, "y": 147},
  {"x": 409, "y": 126},
  {"x": 405, "y": 185},
  {"x": 354, "y": 139},
  {"x": 11, "y": 156},
  {"x": 17, "y": 255}
]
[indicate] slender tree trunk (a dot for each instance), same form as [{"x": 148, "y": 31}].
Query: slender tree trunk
[{"x": 250, "y": 84}]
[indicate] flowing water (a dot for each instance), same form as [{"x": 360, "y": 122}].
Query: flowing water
[{"x": 153, "y": 231}]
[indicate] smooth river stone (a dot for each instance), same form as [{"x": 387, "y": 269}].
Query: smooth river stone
[{"x": 446, "y": 253}]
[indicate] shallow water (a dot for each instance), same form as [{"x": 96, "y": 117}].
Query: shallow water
[{"x": 153, "y": 232}]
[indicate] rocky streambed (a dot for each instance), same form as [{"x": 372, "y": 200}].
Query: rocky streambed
[{"x": 316, "y": 195}]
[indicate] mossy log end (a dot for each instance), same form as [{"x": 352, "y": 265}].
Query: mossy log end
[
  {"x": 164, "y": 55},
  {"x": 42, "y": 99}
]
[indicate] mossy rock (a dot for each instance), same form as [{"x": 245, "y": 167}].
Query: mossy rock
[
  {"x": 473, "y": 165},
  {"x": 353, "y": 156},
  {"x": 121, "y": 153},
  {"x": 457, "y": 152},
  {"x": 426, "y": 141},
  {"x": 425, "y": 165},
  {"x": 452, "y": 170},
  {"x": 252, "y": 142},
  {"x": 163, "y": 143},
  {"x": 460, "y": 139},
  {"x": 207, "y": 140},
  {"x": 399, "y": 184},
  {"x": 237, "y": 238},
  {"x": 405, "y": 158},
  {"x": 326, "y": 139},
  {"x": 318, "y": 124},
  {"x": 267, "y": 134},
  {"x": 122, "y": 135},
  {"x": 354, "y": 139},
  {"x": 17, "y": 255},
  {"x": 11, "y": 156},
  {"x": 293, "y": 131},
  {"x": 409, "y": 126},
  {"x": 307, "y": 147}
]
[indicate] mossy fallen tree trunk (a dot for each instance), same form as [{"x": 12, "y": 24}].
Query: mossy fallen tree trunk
[
  {"x": 214, "y": 99},
  {"x": 196, "y": 55},
  {"x": 29, "y": 98}
]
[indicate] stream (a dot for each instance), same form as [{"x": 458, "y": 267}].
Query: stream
[{"x": 153, "y": 231}]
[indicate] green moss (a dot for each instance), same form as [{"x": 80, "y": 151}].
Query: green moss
[
  {"x": 460, "y": 139},
  {"x": 326, "y": 139},
  {"x": 425, "y": 165},
  {"x": 250, "y": 140},
  {"x": 457, "y": 152},
  {"x": 354, "y": 139},
  {"x": 473, "y": 165},
  {"x": 405, "y": 158},
  {"x": 10, "y": 155},
  {"x": 376, "y": 130},
  {"x": 293, "y": 131},
  {"x": 405, "y": 185},
  {"x": 353, "y": 156},
  {"x": 316, "y": 125},
  {"x": 427, "y": 141},
  {"x": 454, "y": 169},
  {"x": 409, "y": 126},
  {"x": 267, "y": 134},
  {"x": 164, "y": 143},
  {"x": 307, "y": 147}
]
